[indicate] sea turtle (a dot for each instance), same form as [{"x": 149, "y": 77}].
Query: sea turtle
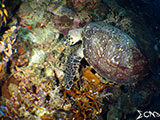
[{"x": 112, "y": 53}]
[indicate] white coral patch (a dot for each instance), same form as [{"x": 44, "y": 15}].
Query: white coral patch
[{"x": 37, "y": 57}]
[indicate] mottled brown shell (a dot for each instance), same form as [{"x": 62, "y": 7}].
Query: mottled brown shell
[{"x": 113, "y": 53}]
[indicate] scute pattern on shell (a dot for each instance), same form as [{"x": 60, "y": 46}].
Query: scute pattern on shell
[{"x": 113, "y": 53}]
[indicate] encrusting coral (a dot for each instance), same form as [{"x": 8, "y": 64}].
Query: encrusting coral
[{"x": 88, "y": 98}]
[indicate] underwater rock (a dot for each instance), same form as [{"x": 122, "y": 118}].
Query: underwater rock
[
  {"x": 114, "y": 113},
  {"x": 37, "y": 57}
]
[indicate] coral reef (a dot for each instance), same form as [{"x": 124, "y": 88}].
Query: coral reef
[
  {"x": 85, "y": 5},
  {"x": 33, "y": 56},
  {"x": 8, "y": 40},
  {"x": 88, "y": 99}
]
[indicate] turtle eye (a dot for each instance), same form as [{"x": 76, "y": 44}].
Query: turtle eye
[{"x": 72, "y": 43}]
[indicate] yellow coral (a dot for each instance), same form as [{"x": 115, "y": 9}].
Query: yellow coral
[
  {"x": 3, "y": 14},
  {"x": 87, "y": 97}
]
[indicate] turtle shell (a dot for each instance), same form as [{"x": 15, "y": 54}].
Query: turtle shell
[{"x": 113, "y": 54}]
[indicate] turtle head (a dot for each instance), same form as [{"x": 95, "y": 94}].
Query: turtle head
[{"x": 73, "y": 37}]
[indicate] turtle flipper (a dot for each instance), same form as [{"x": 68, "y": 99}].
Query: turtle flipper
[{"x": 72, "y": 67}]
